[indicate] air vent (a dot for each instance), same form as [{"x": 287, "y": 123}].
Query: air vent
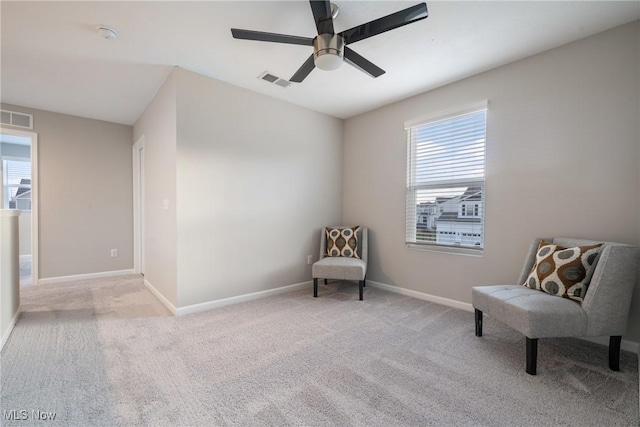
[
  {"x": 19, "y": 120},
  {"x": 282, "y": 82},
  {"x": 268, "y": 77}
]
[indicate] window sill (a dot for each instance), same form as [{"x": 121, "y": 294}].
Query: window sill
[{"x": 446, "y": 249}]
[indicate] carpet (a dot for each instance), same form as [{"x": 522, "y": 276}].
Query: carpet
[{"x": 106, "y": 352}]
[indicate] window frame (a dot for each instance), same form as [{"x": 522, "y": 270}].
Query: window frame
[{"x": 411, "y": 189}]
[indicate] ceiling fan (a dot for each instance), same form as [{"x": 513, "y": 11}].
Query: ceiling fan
[{"x": 329, "y": 48}]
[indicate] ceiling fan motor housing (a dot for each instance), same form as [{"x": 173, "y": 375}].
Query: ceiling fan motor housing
[{"x": 328, "y": 51}]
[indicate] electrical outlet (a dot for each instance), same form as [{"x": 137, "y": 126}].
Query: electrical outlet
[
  {"x": 309, "y": 259},
  {"x": 114, "y": 253}
]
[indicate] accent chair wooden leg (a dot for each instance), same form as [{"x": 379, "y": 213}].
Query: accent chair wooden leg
[
  {"x": 532, "y": 355},
  {"x": 361, "y": 289},
  {"x": 478, "y": 323},
  {"x": 364, "y": 283},
  {"x": 315, "y": 287},
  {"x": 326, "y": 281},
  {"x": 614, "y": 352}
]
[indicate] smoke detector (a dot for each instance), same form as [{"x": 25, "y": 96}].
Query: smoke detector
[{"x": 107, "y": 33}]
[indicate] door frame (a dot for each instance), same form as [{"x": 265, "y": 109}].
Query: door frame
[
  {"x": 138, "y": 206},
  {"x": 35, "y": 196}
]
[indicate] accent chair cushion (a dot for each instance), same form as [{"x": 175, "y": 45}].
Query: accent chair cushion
[
  {"x": 342, "y": 268},
  {"x": 530, "y": 312},
  {"x": 342, "y": 242},
  {"x": 561, "y": 271}
]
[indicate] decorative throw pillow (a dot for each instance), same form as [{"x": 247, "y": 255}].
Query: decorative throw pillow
[
  {"x": 561, "y": 271},
  {"x": 342, "y": 242}
]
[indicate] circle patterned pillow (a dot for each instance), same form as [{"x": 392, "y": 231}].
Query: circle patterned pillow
[
  {"x": 342, "y": 242},
  {"x": 563, "y": 272}
]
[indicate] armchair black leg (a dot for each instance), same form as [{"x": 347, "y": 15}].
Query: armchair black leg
[
  {"x": 315, "y": 287},
  {"x": 361, "y": 289},
  {"x": 532, "y": 355},
  {"x": 614, "y": 352},
  {"x": 478, "y": 323},
  {"x": 326, "y": 281}
]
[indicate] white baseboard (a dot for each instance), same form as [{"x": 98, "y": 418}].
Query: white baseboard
[
  {"x": 631, "y": 346},
  {"x": 163, "y": 300},
  {"x": 420, "y": 295},
  {"x": 240, "y": 298},
  {"x": 76, "y": 277},
  {"x": 7, "y": 333}
]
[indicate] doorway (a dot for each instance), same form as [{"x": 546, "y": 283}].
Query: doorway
[
  {"x": 138, "y": 206},
  {"x": 19, "y": 191}
]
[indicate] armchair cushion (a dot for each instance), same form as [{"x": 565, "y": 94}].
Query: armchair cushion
[
  {"x": 340, "y": 268},
  {"x": 531, "y": 312},
  {"x": 342, "y": 242},
  {"x": 562, "y": 271}
]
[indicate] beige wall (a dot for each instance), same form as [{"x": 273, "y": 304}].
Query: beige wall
[
  {"x": 85, "y": 190},
  {"x": 634, "y": 322},
  {"x": 158, "y": 126},
  {"x": 25, "y": 232},
  {"x": 257, "y": 179},
  {"x": 562, "y": 160}
]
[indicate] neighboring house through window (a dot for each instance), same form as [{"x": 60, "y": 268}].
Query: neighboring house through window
[
  {"x": 17, "y": 184},
  {"x": 445, "y": 201}
]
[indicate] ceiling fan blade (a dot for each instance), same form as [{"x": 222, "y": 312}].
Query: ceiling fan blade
[
  {"x": 303, "y": 71},
  {"x": 389, "y": 22},
  {"x": 322, "y": 15},
  {"x": 361, "y": 63},
  {"x": 270, "y": 37}
]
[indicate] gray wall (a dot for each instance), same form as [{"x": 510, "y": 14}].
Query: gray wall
[
  {"x": 24, "y": 230},
  {"x": 85, "y": 190},
  {"x": 158, "y": 126},
  {"x": 250, "y": 180},
  {"x": 562, "y": 160},
  {"x": 256, "y": 180}
]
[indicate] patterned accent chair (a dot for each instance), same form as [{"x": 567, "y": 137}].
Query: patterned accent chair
[
  {"x": 342, "y": 268},
  {"x": 536, "y": 314}
]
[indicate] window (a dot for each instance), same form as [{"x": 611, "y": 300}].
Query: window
[
  {"x": 17, "y": 184},
  {"x": 469, "y": 209},
  {"x": 445, "y": 169}
]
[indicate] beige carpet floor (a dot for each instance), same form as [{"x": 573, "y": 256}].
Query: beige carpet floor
[{"x": 106, "y": 352}]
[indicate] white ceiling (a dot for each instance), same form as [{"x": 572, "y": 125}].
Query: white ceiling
[{"x": 53, "y": 59}]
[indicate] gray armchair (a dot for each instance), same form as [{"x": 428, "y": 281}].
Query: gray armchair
[
  {"x": 536, "y": 314},
  {"x": 342, "y": 268}
]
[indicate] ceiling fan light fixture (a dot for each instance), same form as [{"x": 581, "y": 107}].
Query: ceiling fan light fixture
[
  {"x": 328, "y": 51},
  {"x": 334, "y": 10}
]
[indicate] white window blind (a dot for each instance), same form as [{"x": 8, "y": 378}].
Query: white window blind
[
  {"x": 17, "y": 184},
  {"x": 445, "y": 201}
]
